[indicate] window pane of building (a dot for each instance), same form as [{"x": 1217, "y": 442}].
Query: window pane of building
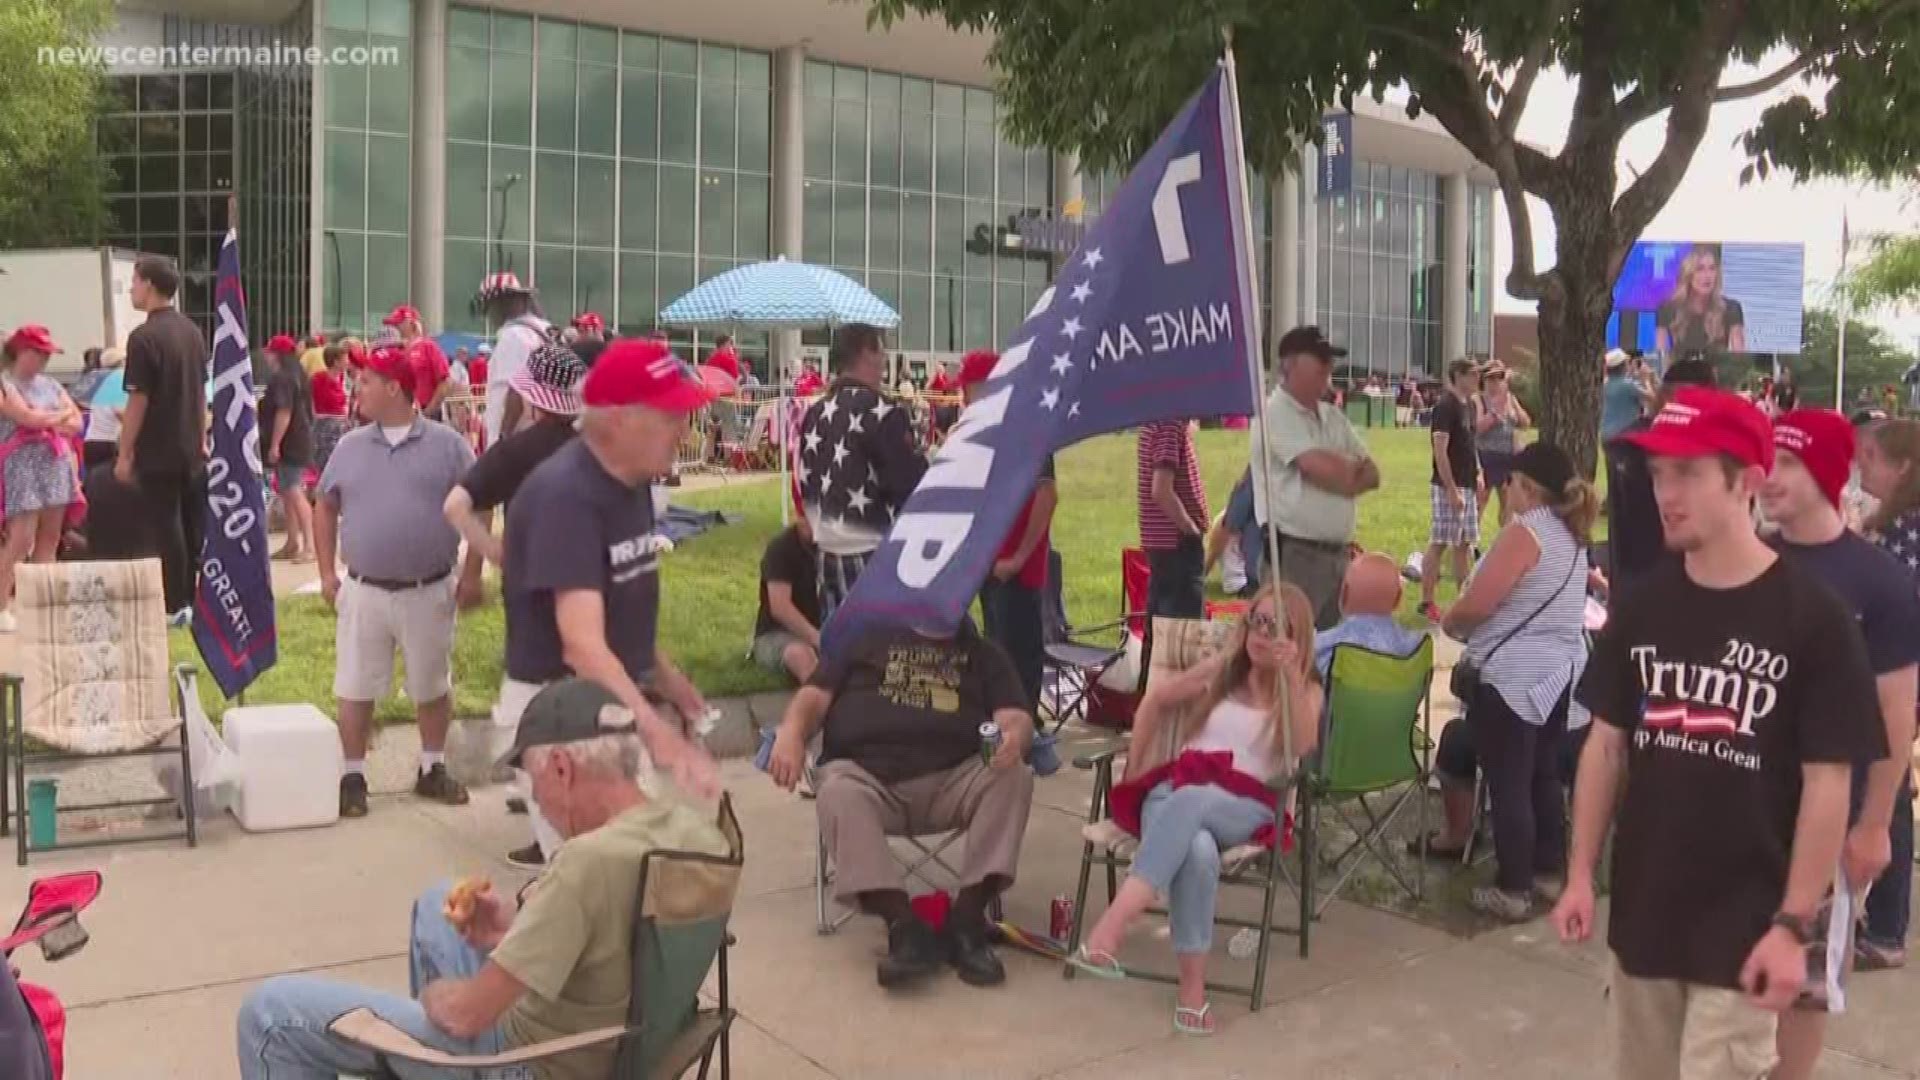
[
  {"x": 390, "y": 91},
  {"x": 818, "y": 222},
  {"x": 594, "y": 216},
  {"x": 976, "y": 315},
  {"x": 346, "y": 14},
  {"x": 512, "y": 97},
  {"x": 949, "y": 156},
  {"x": 916, "y": 232},
  {"x": 884, "y": 245},
  {"x": 554, "y": 199},
  {"x": 916, "y": 305},
  {"x": 849, "y": 226},
  {"x": 916, "y": 146},
  {"x": 593, "y": 282},
  {"x": 676, "y": 277},
  {"x": 556, "y": 119},
  {"x": 980, "y": 243},
  {"x": 387, "y": 267},
  {"x": 346, "y": 88},
  {"x": 679, "y": 105},
  {"x": 346, "y": 287},
  {"x": 950, "y": 236},
  {"x": 716, "y": 214},
  {"x": 466, "y": 189},
  {"x": 679, "y": 57},
  {"x": 979, "y": 161},
  {"x": 468, "y": 26},
  {"x": 1009, "y": 312},
  {"x": 756, "y": 146},
  {"x": 466, "y": 265},
  {"x": 467, "y": 94},
  {"x": 557, "y": 39},
  {"x": 850, "y": 141},
  {"x": 638, "y": 194},
  {"x": 346, "y": 200},
  {"x": 640, "y": 115},
  {"x": 393, "y": 17},
  {"x": 512, "y": 33},
  {"x": 599, "y": 99},
  {"x": 717, "y": 126},
  {"x": 639, "y": 52},
  {"x": 637, "y": 309},
  {"x": 883, "y": 153},
  {"x": 676, "y": 209},
  {"x": 388, "y": 188},
  {"x": 599, "y": 45},
  {"x": 511, "y": 194},
  {"x": 553, "y": 275},
  {"x": 753, "y": 231}
]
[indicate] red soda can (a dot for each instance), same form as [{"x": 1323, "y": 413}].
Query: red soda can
[{"x": 1060, "y": 918}]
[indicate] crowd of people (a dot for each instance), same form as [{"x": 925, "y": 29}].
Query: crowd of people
[{"x": 1739, "y": 723}]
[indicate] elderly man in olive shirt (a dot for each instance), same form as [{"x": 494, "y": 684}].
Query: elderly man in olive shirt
[{"x": 380, "y": 501}]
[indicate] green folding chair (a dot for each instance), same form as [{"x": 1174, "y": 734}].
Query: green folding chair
[
  {"x": 680, "y": 931},
  {"x": 1374, "y": 743}
]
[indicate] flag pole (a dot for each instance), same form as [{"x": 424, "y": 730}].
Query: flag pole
[
  {"x": 1846, "y": 307},
  {"x": 1248, "y": 273}
]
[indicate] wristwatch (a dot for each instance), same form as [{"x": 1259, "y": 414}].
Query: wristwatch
[{"x": 1801, "y": 928}]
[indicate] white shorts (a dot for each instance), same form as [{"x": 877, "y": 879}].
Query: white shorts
[{"x": 372, "y": 623}]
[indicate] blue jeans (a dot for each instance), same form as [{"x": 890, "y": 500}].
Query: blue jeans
[
  {"x": 1890, "y": 903},
  {"x": 283, "y": 1024},
  {"x": 1182, "y": 833},
  {"x": 1246, "y": 530}
]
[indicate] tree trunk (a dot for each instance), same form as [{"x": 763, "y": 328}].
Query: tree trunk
[{"x": 1572, "y": 337}]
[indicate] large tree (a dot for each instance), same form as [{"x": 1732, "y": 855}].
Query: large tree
[
  {"x": 50, "y": 175},
  {"x": 1101, "y": 76}
]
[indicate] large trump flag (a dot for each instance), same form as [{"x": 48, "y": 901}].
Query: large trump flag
[{"x": 1152, "y": 318}]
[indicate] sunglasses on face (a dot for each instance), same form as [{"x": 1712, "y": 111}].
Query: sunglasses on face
[{"x": 1263, "y": 624}]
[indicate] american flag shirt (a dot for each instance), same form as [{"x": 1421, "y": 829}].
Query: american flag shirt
[
  {"x": 858, "y": 462},
  {"x": 1901, "y": 539}
]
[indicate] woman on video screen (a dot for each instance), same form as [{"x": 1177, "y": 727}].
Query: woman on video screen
[{"x": 1699, "y": 317}]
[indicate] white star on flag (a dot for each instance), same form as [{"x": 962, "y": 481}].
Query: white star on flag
[
  {"x": 857, "y": 502},
  {"x": 839, "y": 453},
  {"x": 1081, "y": 292},
  {"x": 1050, "y": 398},
  {"x": 826, "y": 482},
  {"x": 813, "y": 441},
  {"x": 827, "y": 410},
  {"x": 853, "y": 425},
  {"x": 1071, "y": 328},
  {"x": 881, "y": 410},
  {"x": 1061, "y": 364},
  {"x": 1092, "y": 258},
  {"x": 1073, "y": 409}
]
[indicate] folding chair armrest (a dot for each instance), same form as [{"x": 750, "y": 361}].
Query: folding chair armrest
[
  {"x": 365, "y": 1028},
  {"x": 1098, "y": 757}
]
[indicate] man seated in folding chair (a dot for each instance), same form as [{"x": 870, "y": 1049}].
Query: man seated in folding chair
[
  {"x": 1369, "y": 595},
  {"x": 902, "y": 755},
  {"x": 561, "y": 965},
  {"x": 1212, "y": 791}
]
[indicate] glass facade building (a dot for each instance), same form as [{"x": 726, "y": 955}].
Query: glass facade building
[{"x": 614, "y": 167}]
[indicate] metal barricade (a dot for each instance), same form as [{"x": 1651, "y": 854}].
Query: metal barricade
[
  {"x": 466, "y": 412},
  {"x": 741, "y": 433}
]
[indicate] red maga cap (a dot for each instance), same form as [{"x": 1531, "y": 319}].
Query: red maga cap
[
  {"x": 1698, "y": 422},
  {"x": 1823, "y": 440},
  {"x": 631, "y": 372}
]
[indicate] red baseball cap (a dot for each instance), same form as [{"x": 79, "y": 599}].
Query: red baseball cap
[
  {"x": 589, "y": 321},
  {"x": 390, "y": 362},
  {"x": 32, "y": 336},
  {"x": 356, "y": 353},
  {"x": 977, "y": 366},
  {"x": 1699, "y": 421},
  {"x": 403, "y": 313},
  {"x": 282, "y": 343},
  {"x": 633, "y": 372},
  {"x": 1823, "y": 440}
]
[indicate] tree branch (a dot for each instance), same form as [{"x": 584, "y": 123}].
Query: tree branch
[
  {"x": 1686, "y": 126},
  {"x": 1521, "y": 89}
]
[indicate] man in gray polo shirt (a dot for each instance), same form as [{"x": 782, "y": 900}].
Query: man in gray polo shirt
[{"x": 380, "y": 501}]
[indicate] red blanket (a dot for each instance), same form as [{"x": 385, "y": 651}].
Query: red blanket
[{"x": 1214, "y": 767}]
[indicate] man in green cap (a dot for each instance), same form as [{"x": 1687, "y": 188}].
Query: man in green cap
[{"x": 560, "y": 965}]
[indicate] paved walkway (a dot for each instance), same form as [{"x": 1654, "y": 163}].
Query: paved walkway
[{"x": 180, "y": 936}]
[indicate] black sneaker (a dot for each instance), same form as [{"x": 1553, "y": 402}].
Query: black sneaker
[
  {"x": 914, "y": 952},
  {"x": 516, "y": 805},
  {"x": 353, "y": 795},
  {"x": 973, "y": 958},
  {"x": 527, "y": 858},
  {"x": 437, "y": 784}
]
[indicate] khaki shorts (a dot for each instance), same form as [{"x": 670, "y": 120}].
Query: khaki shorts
[
  {"x": 372, "y": 623},
  {"x": 1669, "y": 1030},
  {"x": 770, "y": 651}
]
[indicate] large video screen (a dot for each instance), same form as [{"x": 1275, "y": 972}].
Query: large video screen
[{"x": 1680, "y": 297}]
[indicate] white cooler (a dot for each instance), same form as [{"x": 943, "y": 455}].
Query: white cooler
[{"x": 289, "y": 766}]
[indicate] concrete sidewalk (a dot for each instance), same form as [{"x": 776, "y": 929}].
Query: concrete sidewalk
[{"x": 180, "y": 936}]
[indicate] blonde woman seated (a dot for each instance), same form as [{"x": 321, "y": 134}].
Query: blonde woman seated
[{"x": 1212, "y": 793}]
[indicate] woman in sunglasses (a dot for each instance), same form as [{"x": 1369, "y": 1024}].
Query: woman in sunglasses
[{"x": 1217, "y": 789}]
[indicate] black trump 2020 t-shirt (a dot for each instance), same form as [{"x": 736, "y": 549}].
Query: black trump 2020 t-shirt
[
  {"x": 1725, "y": 694},
  {"x": 905, "y": 705}
]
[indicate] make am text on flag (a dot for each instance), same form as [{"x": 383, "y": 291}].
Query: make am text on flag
[{"x": 1151, "y": 318}]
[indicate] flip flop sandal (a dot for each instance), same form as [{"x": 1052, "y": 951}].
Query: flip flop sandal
[
  {"x": 1196, "y": 1022},
  {"x": 1101, "y": 965}
]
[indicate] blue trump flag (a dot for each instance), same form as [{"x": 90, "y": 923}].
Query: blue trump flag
[
  {"x": 233, "y": 602},
  {"x": 1152, "y": 318}
]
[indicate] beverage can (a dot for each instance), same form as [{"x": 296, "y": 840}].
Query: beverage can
[
  {"x": 1060, "y": 918},
  {"x": 989, "y": 741}
]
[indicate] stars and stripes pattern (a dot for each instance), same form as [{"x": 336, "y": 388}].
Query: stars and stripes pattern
[{"x": 841, "y": 440}]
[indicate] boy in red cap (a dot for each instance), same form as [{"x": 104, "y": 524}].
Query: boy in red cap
[
  {"x": 1010, "y": 598},
  {"x": 1734, "y": 698},
  {"x": 286, "y": 441},
  {"x": 581, "y": 580},
  {"x": 1813, "y": 455},
  {"x": 432, "y": 374}
]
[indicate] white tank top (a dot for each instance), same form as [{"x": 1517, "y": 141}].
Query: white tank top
[{"x": 1242, "y": 731}]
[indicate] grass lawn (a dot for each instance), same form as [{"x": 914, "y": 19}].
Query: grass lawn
[{"x": 711, "y": 582}]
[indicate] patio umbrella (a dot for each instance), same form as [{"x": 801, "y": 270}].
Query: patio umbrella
[{"x": 779, "y": 295}]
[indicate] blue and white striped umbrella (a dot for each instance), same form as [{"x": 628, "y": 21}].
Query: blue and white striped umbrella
[{"x": 779, "y": 295}]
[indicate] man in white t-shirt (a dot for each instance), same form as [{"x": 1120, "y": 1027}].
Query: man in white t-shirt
[{"x": 522, "y": 329}]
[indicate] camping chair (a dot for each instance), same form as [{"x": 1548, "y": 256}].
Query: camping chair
[
  {"x": 1374, "y": 743},
  {"x": 93, "y": 683},
  {"x": 1182, "y": 643},
  {"x": 1078, "y": 657},
  {"x": 679, "y": 932},
  {"x": 928, "y": 850}
]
